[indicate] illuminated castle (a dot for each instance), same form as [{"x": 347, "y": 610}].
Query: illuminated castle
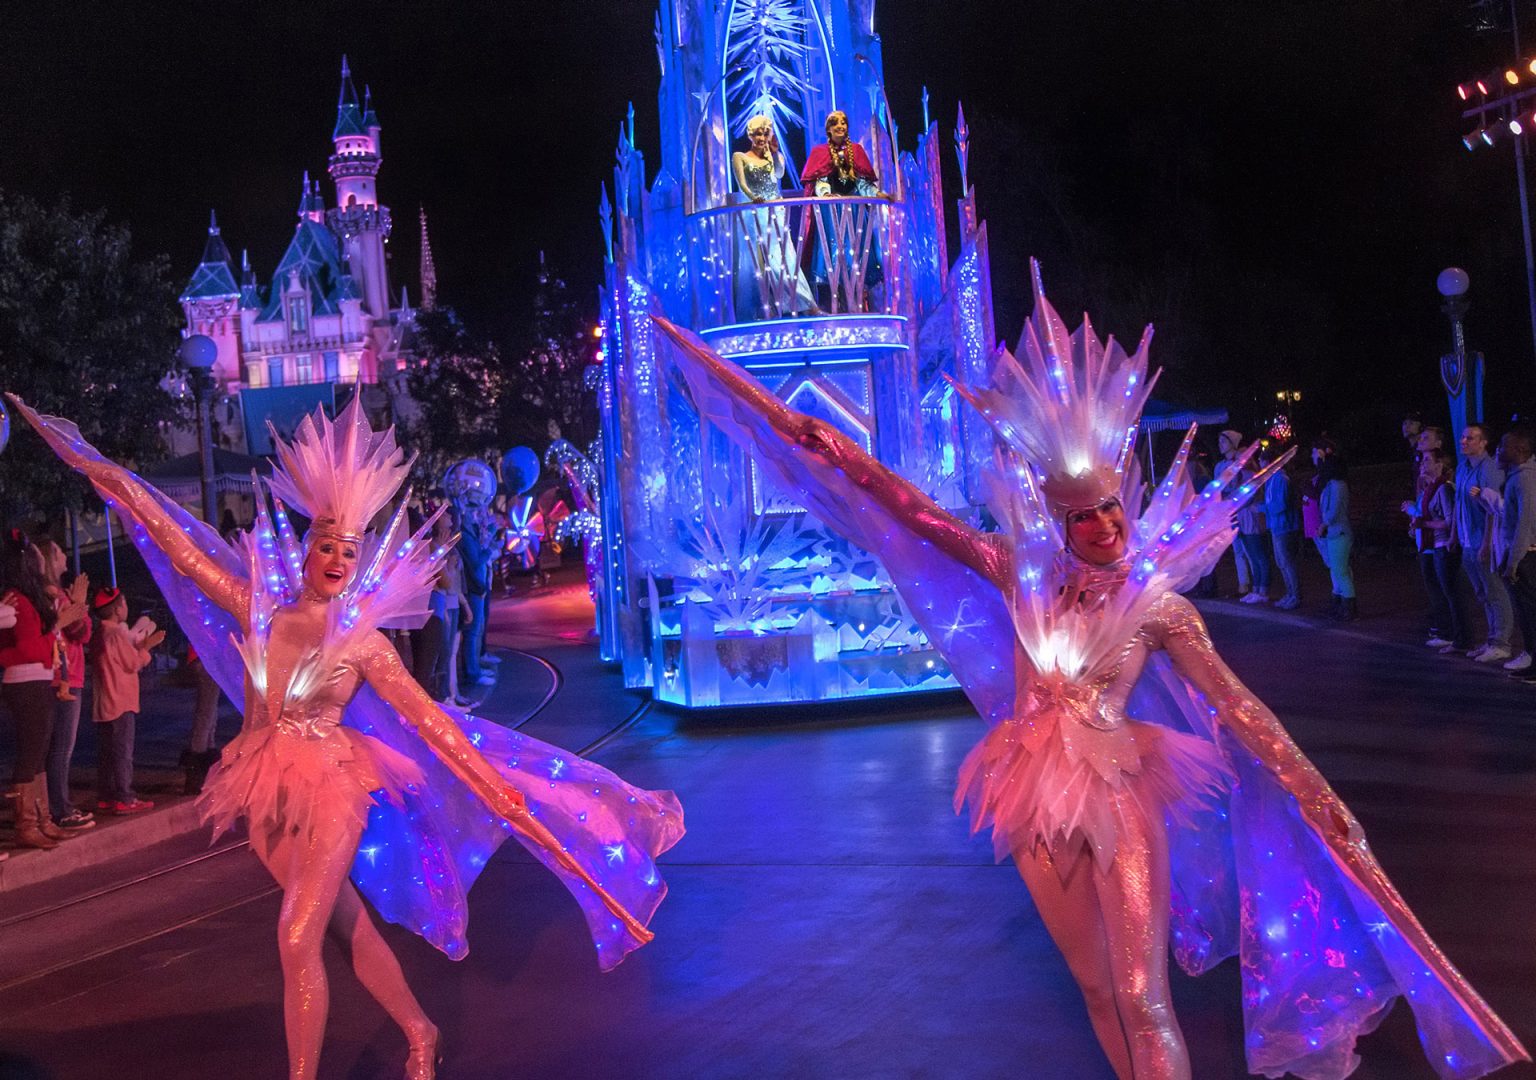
[
  {"x": 714, "y": 587},
  {"x": 325, "y": 316}
]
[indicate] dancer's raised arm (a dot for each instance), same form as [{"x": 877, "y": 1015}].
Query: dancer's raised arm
[
  {"x": 839, "y": 480},
  {"x": 133, "y": 498},
  {"x": 1261, "y": 734}
]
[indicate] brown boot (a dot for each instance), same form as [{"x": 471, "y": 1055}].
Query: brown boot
[
  {"x": 44, "y": 815},
  {"x": 29, "y": 831}
]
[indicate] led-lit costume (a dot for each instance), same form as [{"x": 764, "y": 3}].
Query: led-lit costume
[
  {"x": 767, "y": 243},
  {"x": 1147, "y": 796},
  {"x": 338, "y": 738}
]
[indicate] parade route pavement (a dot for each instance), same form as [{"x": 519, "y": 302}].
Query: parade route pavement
[{"x": 829, "y": 915}]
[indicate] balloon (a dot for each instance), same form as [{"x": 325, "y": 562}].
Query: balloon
[
  {"x": 470, "y": 481},
  {"x": 519, "y": 469}
]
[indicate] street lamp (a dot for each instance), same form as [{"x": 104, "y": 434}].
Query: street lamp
[
  {"x": 197, "y": 354},
  {"x": 1461, "y": 372}
]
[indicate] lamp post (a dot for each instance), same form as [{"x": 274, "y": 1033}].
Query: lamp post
[
  {"x": 1461, "y": 372},
  {"x": 197, "y": 354}
]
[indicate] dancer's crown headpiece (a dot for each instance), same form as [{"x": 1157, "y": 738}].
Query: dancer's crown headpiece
[
  {"x": 1069, "y": 405},
  {"x": 341, "y": 474}
]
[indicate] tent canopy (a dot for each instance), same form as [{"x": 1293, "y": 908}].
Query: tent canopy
[
  {"x": 1163, "y": 416},
  {"x": 181, "y": 477}
]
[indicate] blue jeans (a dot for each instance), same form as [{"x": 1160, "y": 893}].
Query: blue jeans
[
  {"x": 61, "y": 747},
  {"x": 114, "y": 759},
  {"x": 1335, "y": 551},
  {"x": 1255, "y": 550},
  {"x": 1287, "y": 547},
  {"x": 474, "y": 637},
  {"x": 1493, "y": 594},
  {"x": 1438, "y": 566},
  {"x": 442, "y": 665}
]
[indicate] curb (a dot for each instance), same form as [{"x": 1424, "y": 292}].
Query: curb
[{"x": 111, "y": 838}]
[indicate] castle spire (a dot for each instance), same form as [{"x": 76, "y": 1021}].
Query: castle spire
[
  {"x": 349, "y": 117},
  {"x": 213, "y": 279},
  {"x": 311, "y": 202},
  {"x": 348, "y": 91},
  {"x": 428, "y": 268}
]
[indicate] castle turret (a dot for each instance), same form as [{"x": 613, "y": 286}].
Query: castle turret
[
  {"x": 359, "y": 222},
  {"x": 311, "y": 202},
  {"x": 211, "y": 302}
]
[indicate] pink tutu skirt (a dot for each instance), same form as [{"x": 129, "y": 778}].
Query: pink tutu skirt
[
  {"x": 278, "y": 780},
  {"x": 1032, "y": 788}
]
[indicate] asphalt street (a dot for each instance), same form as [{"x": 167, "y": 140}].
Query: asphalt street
[{"x": 829, "y": 916}]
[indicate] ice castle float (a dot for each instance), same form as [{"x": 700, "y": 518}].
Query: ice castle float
[{"x": 714, "y": 588}]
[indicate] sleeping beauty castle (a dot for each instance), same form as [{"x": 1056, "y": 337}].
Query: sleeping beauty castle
[
  {"x": 326, "y": 314},
  {"x": 842, "y": 286}
]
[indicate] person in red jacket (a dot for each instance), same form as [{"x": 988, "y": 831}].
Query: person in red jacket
[
  {"x": 839, "y": 167},
  {"x": 27, "y": 655},
  {"x": 846, "y": 258}
]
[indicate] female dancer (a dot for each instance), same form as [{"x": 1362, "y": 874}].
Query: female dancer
[
  {"x": 769, "y": 257},
  {"x": 345, "y": 765},
  {"x": 1145, "y": 794}
]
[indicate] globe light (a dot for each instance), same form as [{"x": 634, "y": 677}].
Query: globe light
[
  {"x": 1512, "y": 77},
  {"x": 1514, "y": 126},
  {"x": 1453, "y": 282},
  {"x": 198, "y": 352}
]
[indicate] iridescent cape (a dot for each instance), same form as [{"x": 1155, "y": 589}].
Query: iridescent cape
[
  {"x": 1325, "y": 942},
  {"x": 417, "y": 861}
]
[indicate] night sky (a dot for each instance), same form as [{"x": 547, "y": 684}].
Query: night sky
[{"x": 1274, "y": 185}]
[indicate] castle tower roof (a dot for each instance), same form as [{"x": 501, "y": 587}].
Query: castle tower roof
[
  {"x": 250, "y": 292},
  {"x": 311, "y": 254},
  {"x": 214, "y": 278},
  {"x": 370, "y": 118},
  {"x": 349, "y": 117},
  {"x": 311, "y": 202}
]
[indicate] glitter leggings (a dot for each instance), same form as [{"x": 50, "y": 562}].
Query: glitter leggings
[
  {"x": 318, "y": 899},
  {"x": 1112, "y": 928}
]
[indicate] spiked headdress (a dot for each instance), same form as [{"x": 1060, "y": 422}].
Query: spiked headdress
[
  {"x": 1068, "y": 405},
  {"x": 339, "y": 474}
]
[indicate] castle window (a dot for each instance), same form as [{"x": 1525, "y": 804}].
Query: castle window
[
  {"x": 255, "y": 375},
  {"x": 275, "y": 371},
  {"x": 332, "y": 367},
  {"x": 298, "y": 315},
  {"x": 304, "y": 368}
]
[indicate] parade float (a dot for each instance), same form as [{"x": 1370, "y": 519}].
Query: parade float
[{"x": 713, "y": 587}]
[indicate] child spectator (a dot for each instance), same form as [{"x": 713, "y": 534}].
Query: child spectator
[
  {"x": 119, "y": 655},
  {"x": 68, "y": 684}
]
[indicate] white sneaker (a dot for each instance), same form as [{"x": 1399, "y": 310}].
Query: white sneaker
[
  {"x": 1490, "y": 654},
  {"x": 1254, "y": 598},
  {"x": 1519, "y": 663},
  {"x": 1437, "y": 642}
]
